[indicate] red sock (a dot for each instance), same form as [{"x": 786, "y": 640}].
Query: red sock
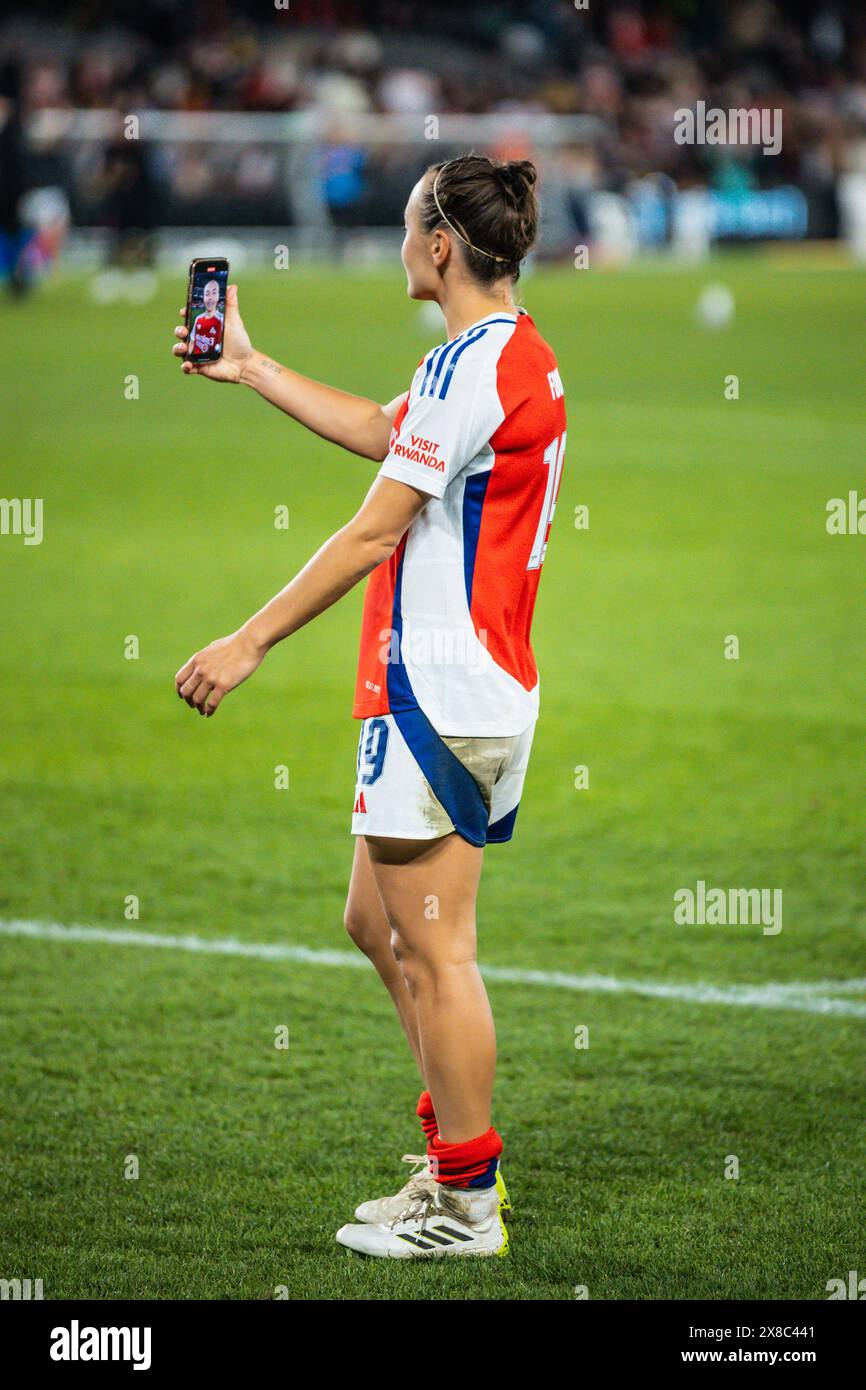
[
  {"x": 470, "y": 1164},
  {"x": 427, "y": 1115}
]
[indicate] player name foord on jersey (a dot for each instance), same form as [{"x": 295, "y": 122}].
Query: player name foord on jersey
[{"x": 77, "y": 1343}]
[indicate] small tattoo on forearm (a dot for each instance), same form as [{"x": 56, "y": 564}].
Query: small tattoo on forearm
[{"x": 271, "y": 366}]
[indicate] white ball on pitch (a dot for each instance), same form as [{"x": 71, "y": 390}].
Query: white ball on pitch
[
  {"x": 107, "y": 287},
  {"x": 429, "y": 320},
  {"x": 715, "y": 307}
]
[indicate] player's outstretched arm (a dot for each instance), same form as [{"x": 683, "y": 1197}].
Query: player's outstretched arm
[
  {"x": 353, "y": 422},
  {"x": 348, "y": 557}
]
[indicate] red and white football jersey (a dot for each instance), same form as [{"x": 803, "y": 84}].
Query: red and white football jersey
[
  {"x": 207, "y": 332},
  {"x": 446, "y": 626}
]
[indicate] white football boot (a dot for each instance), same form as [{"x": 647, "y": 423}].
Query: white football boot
[
  {"x": 454, "y": 1221},
  {"x": 381, "y": 1210}
]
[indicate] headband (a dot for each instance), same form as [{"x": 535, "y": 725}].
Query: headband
[{"x": 449, "y": 223}]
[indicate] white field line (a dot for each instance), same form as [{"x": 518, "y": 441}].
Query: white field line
[{"x": 815, "y": 997}]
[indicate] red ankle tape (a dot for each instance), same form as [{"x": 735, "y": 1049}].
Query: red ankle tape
[
  {"x": 470, "y": 1164},
  {"x": 427, "y": 1115}
]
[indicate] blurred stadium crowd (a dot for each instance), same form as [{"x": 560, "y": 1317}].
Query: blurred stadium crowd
[{"x": 626, "y": 65}]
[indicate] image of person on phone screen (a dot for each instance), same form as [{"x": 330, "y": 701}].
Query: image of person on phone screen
[{"x": 207, "y": 330}]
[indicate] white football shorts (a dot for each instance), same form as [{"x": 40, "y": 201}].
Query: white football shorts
[{"x": 415, "y": 784}]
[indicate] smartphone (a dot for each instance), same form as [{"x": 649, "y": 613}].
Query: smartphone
[{"x": 206, "y": 307}]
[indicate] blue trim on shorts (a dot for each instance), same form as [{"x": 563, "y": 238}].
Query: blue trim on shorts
[
  {"x": 502, "y": 830},
  {"x": 454, "y": 787}
]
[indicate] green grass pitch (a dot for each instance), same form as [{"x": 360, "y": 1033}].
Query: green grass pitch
[{"x": 707, "y": 518}]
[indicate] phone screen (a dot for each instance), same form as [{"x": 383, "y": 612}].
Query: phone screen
[{"x": 206, "y": 310}]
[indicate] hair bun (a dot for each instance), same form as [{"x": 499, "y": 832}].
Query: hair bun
[{"x": 517, "y": 177}]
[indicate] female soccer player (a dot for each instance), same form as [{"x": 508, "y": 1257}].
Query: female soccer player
[
  {"x": 452, "y": 534},
  {"x": 207, "y": 330}
]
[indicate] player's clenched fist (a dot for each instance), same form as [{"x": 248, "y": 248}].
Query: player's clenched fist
[
  {"x": 236, "y": 345},
  {"x": 217, "y": 669}
]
